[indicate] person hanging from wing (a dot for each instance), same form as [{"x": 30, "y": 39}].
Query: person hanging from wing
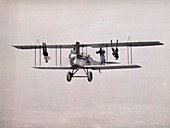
[
  {"x": 102, "y": 56},
  {"x": 45, "y": 53},
  {"x": 115, "y": 53}
]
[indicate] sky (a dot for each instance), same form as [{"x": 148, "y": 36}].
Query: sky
[{"x": 117, "y": 98}]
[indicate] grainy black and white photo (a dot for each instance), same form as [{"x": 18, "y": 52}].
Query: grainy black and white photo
[{"x": 84, "y": 64}]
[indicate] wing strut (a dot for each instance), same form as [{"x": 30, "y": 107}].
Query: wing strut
[
  {"x": 35, "y": 56},
  {"x": 106, "y": 54},
  {"x": 40, "y": 56},
  {"x": 60, "y": 56},
  {"x": 86, "y": 50},
  {"x": 56, "y": 55},
  {"x": 39, "y": 52},
  {"x": 129, "y": 53}
]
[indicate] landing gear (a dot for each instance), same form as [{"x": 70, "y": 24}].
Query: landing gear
[
  {"x": 70, "y": 75},
  {"x": 89, "y": 76}
]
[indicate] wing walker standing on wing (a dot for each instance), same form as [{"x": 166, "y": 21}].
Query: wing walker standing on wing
[
  {"x": 102, "y": 56},
  {"x": 84, "y": 61}
]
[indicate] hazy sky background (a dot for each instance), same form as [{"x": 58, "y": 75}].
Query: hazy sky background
[{"x": 121, "y": 98}]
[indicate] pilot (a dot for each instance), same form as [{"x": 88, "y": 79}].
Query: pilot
[
  {"x": 74, "y": 50},
  {"x": 102, "y": 56}
]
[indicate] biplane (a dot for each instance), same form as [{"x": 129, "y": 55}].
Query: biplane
[{"x": 78, "y": 60}]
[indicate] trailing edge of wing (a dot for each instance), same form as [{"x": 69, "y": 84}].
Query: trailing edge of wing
[
  {"x": 103, "y": 67},
  {"x": 54, "y": 67}
]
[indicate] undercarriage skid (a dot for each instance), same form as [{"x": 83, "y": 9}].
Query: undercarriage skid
[{"x": 70, "y": 75}]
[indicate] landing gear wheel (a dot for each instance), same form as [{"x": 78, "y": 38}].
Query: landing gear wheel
[
  {"x": 69, "y": 76},
  {"x": 89, "y": 76}
]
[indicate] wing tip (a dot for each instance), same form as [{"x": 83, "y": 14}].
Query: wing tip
[
  {"x": 14, "y": 46},
  {"x": 36, "y": 67},
  {"x": 161, "y": 43},
  {"x": 137, "y": 66},
  {"x": 157, "y": 43}
]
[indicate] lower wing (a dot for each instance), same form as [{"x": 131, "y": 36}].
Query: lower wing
[
  {"x": 54, "y": 67},
  {"x": 106, "y": 67},
  {"x": 93, "y": 67}
]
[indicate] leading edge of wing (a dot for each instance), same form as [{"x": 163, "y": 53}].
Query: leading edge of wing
[
  {"x": 54, "y": 67},
  {"x": 93, "y": 67},
  {"x": 125, "y": 44},
  {"x": 38, "y": 46},
  {"x": 93, "y": 45},
  {"x": 107, "y": 67}
]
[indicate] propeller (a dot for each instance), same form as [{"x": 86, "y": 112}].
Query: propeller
[{"x": 115, "y": 51}]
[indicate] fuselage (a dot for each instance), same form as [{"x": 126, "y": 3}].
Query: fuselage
[{"x": 81, "y": 60}]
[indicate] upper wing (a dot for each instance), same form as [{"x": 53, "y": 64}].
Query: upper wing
[
  {"x": 93, "y": 45},
  {"x": 124, "y": 44},
  {"x": 38, "y": 46},
  {"x": 105, "y": 67}
]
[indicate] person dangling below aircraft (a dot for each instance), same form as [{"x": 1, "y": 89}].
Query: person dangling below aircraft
[
  {"x": 102, "y": 55},
  {"x": 45, "y": 53}
]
